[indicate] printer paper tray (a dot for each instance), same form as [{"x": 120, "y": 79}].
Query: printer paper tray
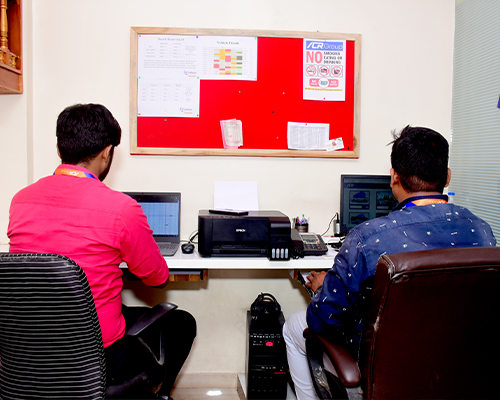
[{"x": 238, "y": 251}]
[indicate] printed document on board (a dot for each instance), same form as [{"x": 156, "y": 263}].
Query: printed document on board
[
  {"x": 167, "y": 81},
  {"x": 228, "y": 58},
  {"x": 307, "y": 136},
  {"x": 324, "y": 70}
]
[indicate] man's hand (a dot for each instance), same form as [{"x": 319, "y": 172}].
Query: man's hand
[{"x": 315, "y": 280}]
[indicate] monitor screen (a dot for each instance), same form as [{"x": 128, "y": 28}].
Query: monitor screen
[{"x": 364, "y": 197}]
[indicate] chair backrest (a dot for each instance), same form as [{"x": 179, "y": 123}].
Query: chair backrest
[
  {"x": 50, "y": 338},
  {"x": 430, "y": 330}
]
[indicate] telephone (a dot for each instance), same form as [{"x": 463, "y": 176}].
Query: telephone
[{"x": 307, "y": 244}]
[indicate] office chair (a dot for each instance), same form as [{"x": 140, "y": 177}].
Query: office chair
[
  {"x": 50, "y": 338},
  {"x": 429, "y": 331}
]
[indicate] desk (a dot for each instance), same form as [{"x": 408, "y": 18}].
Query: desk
[
  {"x": 193, "y": 267},
  {"x": 196, "y": 262}
]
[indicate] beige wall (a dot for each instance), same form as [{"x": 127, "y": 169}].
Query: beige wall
[{"x": 79, "y": 52}]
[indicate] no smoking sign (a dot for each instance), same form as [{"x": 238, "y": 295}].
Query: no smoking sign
[
  {"x": 311, "y": 70},
  {"x": 337, "y": 71}
]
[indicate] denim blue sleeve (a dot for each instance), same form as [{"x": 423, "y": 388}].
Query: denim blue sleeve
[{"x": 333, "y": 305}]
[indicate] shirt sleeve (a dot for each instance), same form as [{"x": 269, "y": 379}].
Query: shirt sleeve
[
  {"x": 333, "y": 306},
  {"x": 139, "y": 249}
]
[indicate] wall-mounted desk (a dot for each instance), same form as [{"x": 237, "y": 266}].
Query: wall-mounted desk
[{"x": 195, "y": 261}]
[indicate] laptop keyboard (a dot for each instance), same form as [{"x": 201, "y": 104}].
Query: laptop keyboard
[{"x": 166, "y": 246}]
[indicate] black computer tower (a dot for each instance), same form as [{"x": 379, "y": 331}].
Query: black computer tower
[{"x": 266, "y": 362}]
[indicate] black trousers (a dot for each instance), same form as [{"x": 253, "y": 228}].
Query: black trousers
[{"x": 127, "y": 357}]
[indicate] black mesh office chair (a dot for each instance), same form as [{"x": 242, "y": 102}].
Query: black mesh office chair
[
  {"x": 50, "y": 338},
  {"x": 429, "y": 332}
]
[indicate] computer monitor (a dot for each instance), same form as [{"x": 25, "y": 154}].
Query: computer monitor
[{"x": 364, "y": 197}]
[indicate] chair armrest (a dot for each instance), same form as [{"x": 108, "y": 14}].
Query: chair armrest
[
  {"x": 148, "y": 318},
  {"x": 345, "y": 365}
]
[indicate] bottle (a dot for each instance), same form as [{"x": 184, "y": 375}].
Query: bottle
[{"x": 451, "y": 197}]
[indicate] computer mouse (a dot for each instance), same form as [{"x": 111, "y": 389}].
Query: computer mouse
[{"x": 187, "y": 248}]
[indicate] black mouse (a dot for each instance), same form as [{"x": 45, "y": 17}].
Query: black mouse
[{"x": 187, "y": 248}]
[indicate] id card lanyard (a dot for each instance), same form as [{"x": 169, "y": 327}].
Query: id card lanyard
[
  {"x": 422, "y": 201},
  {"x": 74, "y": 172}
]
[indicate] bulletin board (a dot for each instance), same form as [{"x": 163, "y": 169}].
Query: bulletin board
[{"x": 264, "y": 106}]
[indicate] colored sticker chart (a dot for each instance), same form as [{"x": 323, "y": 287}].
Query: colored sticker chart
[
  {"x": 229, "y": 58},
  {"x": 228, "y": 62}
]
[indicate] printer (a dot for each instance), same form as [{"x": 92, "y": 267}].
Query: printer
[{"x": 256, "y": 234}]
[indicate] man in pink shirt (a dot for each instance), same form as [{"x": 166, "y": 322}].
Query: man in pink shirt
[{"x": 74, "y": 214}]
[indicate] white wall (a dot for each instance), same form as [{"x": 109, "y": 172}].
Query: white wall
[
  {"x": 81, "y": 54},
  {"x": 16, "y": 132}
]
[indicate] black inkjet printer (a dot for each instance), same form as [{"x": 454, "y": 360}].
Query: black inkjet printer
[{"x": 244, "y": 234}]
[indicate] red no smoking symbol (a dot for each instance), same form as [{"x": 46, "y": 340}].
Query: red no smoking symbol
[
  {"x": 311, "y": 70},
  {"x": 323, "y": 70},
  {"x": 337, "y": 71}
]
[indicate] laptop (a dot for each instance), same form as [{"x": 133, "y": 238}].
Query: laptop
[{"x": 163, "y": 211}]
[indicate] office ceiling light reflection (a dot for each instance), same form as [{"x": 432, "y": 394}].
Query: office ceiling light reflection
[{"x": 214, "y": 392}]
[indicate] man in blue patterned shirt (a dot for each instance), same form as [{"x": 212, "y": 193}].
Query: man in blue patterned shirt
[{"x": 423, "y": 220}]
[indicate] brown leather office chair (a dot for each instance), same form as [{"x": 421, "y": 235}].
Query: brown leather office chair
[{"x": 430, "y": 332}]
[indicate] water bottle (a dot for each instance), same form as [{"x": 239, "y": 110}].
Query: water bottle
[{"x": 451, "y": 197}]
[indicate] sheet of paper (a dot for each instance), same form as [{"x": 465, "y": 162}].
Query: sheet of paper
[
  {"x": 236, "y": 195},
  {"x": 162, "y": 97},
  {"x": 228, "y": 57},
  {"x": 324, "y": 70},
  {"x": 167, "y": 56},
  {"x": 307, "y": 136},
  {"x": 167, "y": 81}
]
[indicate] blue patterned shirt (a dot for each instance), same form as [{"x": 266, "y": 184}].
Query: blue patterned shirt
[{"x": 334, "y": 308}]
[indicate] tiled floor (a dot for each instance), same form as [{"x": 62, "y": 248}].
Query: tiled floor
[
  {"x": 233, "y": 393},
  {"x": 209, "y": 393}
]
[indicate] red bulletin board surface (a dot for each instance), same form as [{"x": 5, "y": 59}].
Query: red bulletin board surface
[{"x": 264, "y": 107}]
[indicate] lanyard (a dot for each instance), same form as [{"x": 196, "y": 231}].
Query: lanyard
[
  {"x": 73, "y": 172},
  {"x": 424, "y": 202},
  {"x": 421, "y": 201}
]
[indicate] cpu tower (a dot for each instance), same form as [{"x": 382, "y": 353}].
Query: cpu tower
[{"x": 266, "y": 366}]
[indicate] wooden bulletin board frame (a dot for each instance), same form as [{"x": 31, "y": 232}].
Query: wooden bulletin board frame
[{"x": 137, "y": 148}]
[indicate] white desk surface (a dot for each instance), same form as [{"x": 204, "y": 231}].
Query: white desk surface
[{"x": 195, "y": 262}]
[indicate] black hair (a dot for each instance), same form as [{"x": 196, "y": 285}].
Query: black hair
[
  {"x": 84, "y": 130},
  {"x": 420, "y": 158}
]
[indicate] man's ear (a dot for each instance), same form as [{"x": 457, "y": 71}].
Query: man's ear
[
  {"x": 394, "y": 177},
  {"x": 448, "y": 178},
  {"x": 106, "y": 151},
  {"x": 58, "y": 152}
]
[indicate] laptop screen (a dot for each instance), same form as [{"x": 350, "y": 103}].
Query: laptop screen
[{"x": 163, "y": 211}]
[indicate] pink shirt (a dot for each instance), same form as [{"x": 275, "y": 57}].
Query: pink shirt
[{"x": 98, "y": 228}]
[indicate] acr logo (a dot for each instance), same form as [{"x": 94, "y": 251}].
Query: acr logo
[
  {"x": 241, "y": 230},
  {"x": 319, "y": 45}
]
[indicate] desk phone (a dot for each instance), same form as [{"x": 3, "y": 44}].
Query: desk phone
[{"x": 313, "y": 244}]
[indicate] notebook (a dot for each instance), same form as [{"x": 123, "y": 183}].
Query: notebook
[{"x": 163, "y": 211}]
